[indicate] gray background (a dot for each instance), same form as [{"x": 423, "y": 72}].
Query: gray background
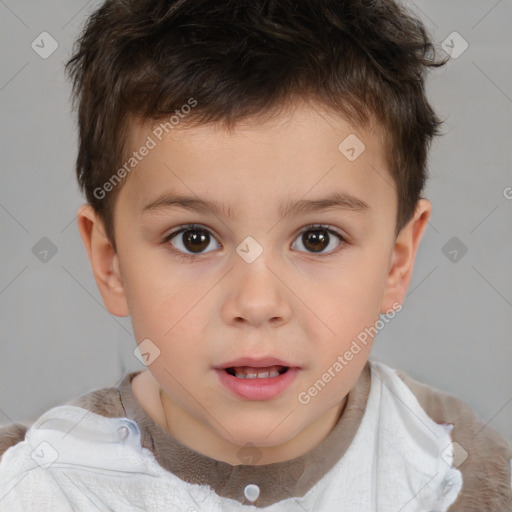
[{"x": 58, "y": 341}]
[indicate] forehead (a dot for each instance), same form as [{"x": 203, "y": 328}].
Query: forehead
[{"x": 263, "y": 163}]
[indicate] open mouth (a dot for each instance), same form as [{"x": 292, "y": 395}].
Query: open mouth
[
  {"x": 257, "y": 382},
  {"x": 249, "y": 372}
]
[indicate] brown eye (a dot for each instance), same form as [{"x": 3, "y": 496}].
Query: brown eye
[
  {"x": 196, "y": 240},
  {"x": 191, "y": 240},
  {"x": 315, "y": 239}
]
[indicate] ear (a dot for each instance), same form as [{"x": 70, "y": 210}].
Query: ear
[
  {"x": 104, "y": 261},
  {"x": 403, "y": 256}
]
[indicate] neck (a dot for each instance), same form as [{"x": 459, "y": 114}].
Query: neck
[{"x": 200, "y": 438}]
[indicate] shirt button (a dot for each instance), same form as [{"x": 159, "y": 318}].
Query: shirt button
[
  {"x": 252, "y": 491},
  {"x": 123, "y": 432},
  {"x": 447, "y": 486}
]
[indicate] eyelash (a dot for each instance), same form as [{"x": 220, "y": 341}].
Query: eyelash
[{"x": 309, "y": 227}]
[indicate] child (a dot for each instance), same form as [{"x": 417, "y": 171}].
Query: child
[{"x": 288, "y": 142}]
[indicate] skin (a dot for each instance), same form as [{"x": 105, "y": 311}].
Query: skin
[{"x": 291, "y": 303}]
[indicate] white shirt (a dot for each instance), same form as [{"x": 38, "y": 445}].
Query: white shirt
[{"x": 73, "y": 459}]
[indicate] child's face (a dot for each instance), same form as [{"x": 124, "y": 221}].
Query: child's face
[{"x": 303, "y": 307}]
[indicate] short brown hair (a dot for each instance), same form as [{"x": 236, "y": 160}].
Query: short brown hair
[{"x": 144, "y": 59}]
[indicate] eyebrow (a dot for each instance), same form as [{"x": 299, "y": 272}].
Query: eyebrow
[{"x": 337, "y": 200}]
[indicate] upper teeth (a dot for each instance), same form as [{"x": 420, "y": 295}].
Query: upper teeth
[
  {"x": 253, "y": 373},
  {"x": 259, "y": 375}
]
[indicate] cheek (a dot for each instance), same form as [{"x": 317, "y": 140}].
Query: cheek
[
  {"x": 175, "y": 324},
  {"x": 161, "y": 307},
  {"x": 352, "y": 299},
  {"x": 166, "y": 317},
  {"x": 346, "y": 309}
]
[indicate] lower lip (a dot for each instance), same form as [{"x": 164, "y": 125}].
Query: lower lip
[{"x": 258, "y": 389}]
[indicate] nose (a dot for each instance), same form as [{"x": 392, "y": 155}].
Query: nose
[{"x": 256, "y": 294}]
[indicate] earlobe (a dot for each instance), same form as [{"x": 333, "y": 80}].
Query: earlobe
[
  {"x": 404, "y": 255},
  {"x": 104, "y": 261}
]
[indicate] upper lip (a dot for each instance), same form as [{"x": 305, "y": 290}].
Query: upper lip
[{"x": 255, "y": 363}]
